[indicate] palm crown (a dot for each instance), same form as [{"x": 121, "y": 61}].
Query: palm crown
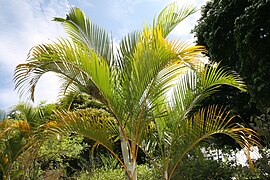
[{"x": 149, "y": 80}]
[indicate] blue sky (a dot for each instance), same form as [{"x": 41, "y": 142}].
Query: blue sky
[{"x": 25, "y": 23}]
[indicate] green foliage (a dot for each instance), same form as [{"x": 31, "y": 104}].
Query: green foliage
[
  {"x": 236, "y": 32},
  {"x": 13, "y": 138},
  {"x": 102, "y": 174},
  {"x": 262, "y": 165},
  {"x": 196, "y": 169},
  {"x": 74, "y": 101},
  {"x": 243, "y": 172},
  {"x": 144, "y": 173},
  {"x": 56, "y": 155},
  {"x": 262, "y": 125},
  {"x": 109, "y": 161},
  {"x": 95, "y": 124},
  {"x": 16, "y": 135},
  {"x": 34, "y": 115},
  {"x": 61, "y": 149},
  {"x": 252, "y": 37},
  {"x": 46, "y": 111}
]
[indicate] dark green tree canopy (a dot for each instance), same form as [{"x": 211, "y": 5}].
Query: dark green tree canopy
[{"x": 236, "y": 32}]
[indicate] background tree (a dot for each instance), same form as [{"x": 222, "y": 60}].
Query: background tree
[{"x": 237, "y": 33}]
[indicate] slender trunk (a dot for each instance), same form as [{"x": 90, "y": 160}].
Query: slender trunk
[
  {"x": 129, "y": 161},
  {"x": 134, "y": 170},
  {"x": 165, "y": 175}
]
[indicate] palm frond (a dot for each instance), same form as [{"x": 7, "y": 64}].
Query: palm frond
[
  {"x": 95, "y": 124},
  {"x": 198, "y": 84},
  {"x": 27, "y": 112},
  {"x": 215, "y": 75},
  {"x": 12, "y": 140},
  {"x": 74, "y": 64},
  {"x": 126, "y": 49},
  {"x": 67, "y": 86},
  {"x": 206, "y": 123},
  {"x": 83, "y": 31},
  {"x": 171, "y": 16}
]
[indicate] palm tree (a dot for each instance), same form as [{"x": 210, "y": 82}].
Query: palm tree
[
  {"x": 16, "y": 133},
  {"x": 13, "y": 134},
  {"x": 149, "y": 81}
]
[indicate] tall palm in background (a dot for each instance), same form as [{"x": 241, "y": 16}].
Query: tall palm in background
[{"x": 151, "y": 85}]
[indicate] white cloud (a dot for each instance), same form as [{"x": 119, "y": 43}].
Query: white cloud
[
  {"x": 47, "y": 88},
  {"x": 185, "y": 27},
  {"x": 122, "y": 9},
  {"x": 23, "y": 25}
]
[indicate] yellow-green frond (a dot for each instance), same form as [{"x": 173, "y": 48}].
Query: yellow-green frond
[
  {"x": 82, "y": 31},
  {"x": 209, "y": 121},
  {"x": 171, "y": 16},
  {"x": 95, "y": 124}
]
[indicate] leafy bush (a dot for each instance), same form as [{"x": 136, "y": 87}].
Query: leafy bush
[
  {"x": 201, "y": 169},
  {"x": 143, "y": 172},
  {"x": 57, "y": 158}
]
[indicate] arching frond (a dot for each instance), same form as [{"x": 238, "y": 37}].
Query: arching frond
[
  {"x": 203, "y": 125},
  {"x": 198, "y": 84},
  {"x": 95, "y": 124},
  {"x": 126, "y": 49},
  {"x": 83, "y": 31},
  {"x": 171, "y": 16},
  {"x": 68, "y": 86},
  {"x": 74, "y": 64},
  {"x": 215, "y": 75}
]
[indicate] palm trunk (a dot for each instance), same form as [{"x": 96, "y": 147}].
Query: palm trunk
[
  {"x": 134, "y": 170},
  {"x": 165, "y": 175},
  {"x": 129, "y": 161}
]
